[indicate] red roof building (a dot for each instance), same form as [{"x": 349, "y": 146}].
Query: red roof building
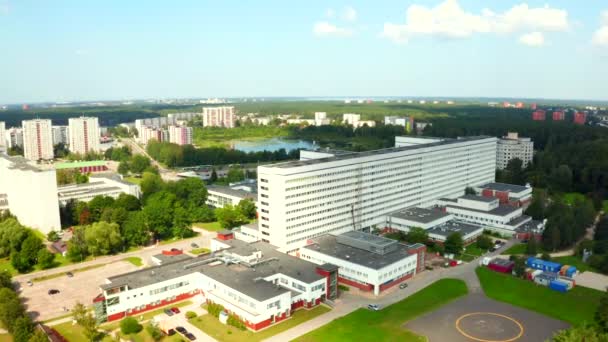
[
  {"x": 580, "y": 118},
  {"x": 538, "y": 115},
  {"x": 559, "y": 116}
]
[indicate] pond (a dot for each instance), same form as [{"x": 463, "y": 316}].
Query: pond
[{"x": 273, "y": 144}]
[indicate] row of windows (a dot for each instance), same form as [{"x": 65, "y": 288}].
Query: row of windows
[{"x": 170, "y": 287}]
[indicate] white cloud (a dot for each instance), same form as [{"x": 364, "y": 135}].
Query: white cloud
[
  {"x": 450, "y": 20},
  {"x": 533, "y": 39},
  {"x": 600, "y": 37},
  {"x": 325, "y": 29},
  {"x": 349, "y": 14},
  {"x": 330, "y": 13}
]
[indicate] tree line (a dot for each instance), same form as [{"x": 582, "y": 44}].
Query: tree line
[{"x": 24, "y": 248}]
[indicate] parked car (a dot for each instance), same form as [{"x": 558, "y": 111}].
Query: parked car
[
  {"x": 403, "y": 286},
  {"x": 168, "y": 312},
  {"x": 30, "y": 283},
  {"x": 193, "y": 245},
  {"x": 373, "y": 307},
  {"x": 69, "y": 274},
  {"x": 190, "y": 336},
  {"x": 175, "y": 310},
  {"x": 53, "y": 291},
  {"x": 492, "y": 249},
  {"x": 181, "y": 330},
  {"x": 170, "y": 332}
]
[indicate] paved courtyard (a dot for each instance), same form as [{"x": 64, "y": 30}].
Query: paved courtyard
[
  {"x": 82, "y": 287},
  {"x": 478, "y": 318}
]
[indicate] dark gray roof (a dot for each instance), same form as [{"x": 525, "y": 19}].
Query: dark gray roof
[
  {"x": 165, "y": 259},
  {"x": 374, "y": 152},
  {"x": 504, "y": 187},
  {"x": 479, "y": 198},
  {"x": 519, "y": 220},
  {"x": 328, "y": 245},
  {"x": 420, "y": 215},
  {"x": 529, "y": 226},
  {"x": 19, "y": 162},
  {"x": 231, "y": 192},
  {"x": 454, "y": 226},
  {"x": 501, "y": 210}
]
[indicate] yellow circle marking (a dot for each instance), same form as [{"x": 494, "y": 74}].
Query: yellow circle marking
[{"x": 521, "y": 328}]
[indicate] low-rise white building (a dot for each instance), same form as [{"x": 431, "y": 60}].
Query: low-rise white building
[
  {"x": 511, "y": 194},
  {"x": 219, "y": 196},
  {"x": 366, "y": 261},
  {"x": 98, "y": 185},
  {"x": 252, "y": 281}
]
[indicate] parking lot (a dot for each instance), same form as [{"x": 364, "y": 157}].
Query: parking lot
[
  {"x": 82, "y": 287},
  {"x": 478, "y": 318},
  {"x": 179, "y": 320}
]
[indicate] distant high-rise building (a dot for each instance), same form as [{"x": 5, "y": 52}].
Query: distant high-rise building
[
  {"x": 148, "y": 133},
  {"x": 512, "y": 146},
  {"x": 538, "y": 115},
  {"x": 519, "y": 105},
  {"x": 533, "y": 106},
  {"x": 2, "y": 134},
  {"x": 321, "y": 119},
  {"x": 405, "y": 121},
  {"x": 218, "y": 117},
  {"x": 61, "y": 135},
  {"x": 14, "y": 137},
  {"x": 559, "y": 116},
  {"x": 351, "y": 119},
  {"x": 580, "y": 118},
  {"x": 37, "y": 139},
  {"x": 180, "y": 135},
  {"x": 84, "y": 135}
]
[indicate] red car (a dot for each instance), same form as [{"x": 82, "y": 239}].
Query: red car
[{"x": 175, "y": 310}]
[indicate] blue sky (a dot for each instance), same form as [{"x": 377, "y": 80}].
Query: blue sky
[{"x": 85, "y": 50}]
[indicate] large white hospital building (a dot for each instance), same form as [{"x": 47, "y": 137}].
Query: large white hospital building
[{"x": 301, "y": 200}]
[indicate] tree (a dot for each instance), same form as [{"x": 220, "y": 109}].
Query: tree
[
  {"x": 86, "y": 320},
  {"x": 102, "y": 238},
  {"x": 515, "y": 171},
  {"x": 417, "y": 235},
  {"x": 551, "y": 237},
  {"x": 52, "y": 236},
  {"x": 247, "y": 208},
  {"x": 531, "y": 246},
  {"x": 23, "y": 329},
  {"x": 6, "y": 280},
  {"x": 139, "y": 163},
  {"x": 213, "y": 177},
  {"x": 77, "y": 246},
  {"x": 46, "y": 259},
  {"x": 158, "y": 213},
  {"x": 154, "y": 331},
  {"x": 520, "y": 267},
  {"x": 127, "y": 202},
  {"x": 150, "y": 183},
  {"x": 561, "y": 178},
  {"x": 38, "y": 336},
  {"x": 235, "y": 174},
  {"x": 11, "y": 308},
  {"x": 469, "y": 191},
  {"x": 123, "y": 168},
  {"x": 546, "y": 257},
  {"x": 484, "y": 242},
  {"x": 601, "y": 314},
  {"x": 129, "y": 326},
  {"x": 537, "y": 206},
  {"x": 580, "y": 333},
  {"x": 181, "y": 222},
  {"x": 229, "y": 217},
  {"x": 134, "y": 229},
  {"x": 453, "y": 243}
]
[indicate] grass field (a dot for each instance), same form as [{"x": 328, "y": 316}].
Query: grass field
[
  {"x": 225, "y": 333},
  {"x": 576, "y": 262},
  {"x": 571, "y": 197},
  {"x": 133, "y": 180},
  {"x": 198, "y": 251},
  {"x": 576, "y": 306},
  {"x": 520, "y": 248},
  {"x": 209, "y": 226},
  {"x": 134, "y": 260},
  {"x": 6, "y": 338},
  {"x": 5, "y": 265},
  {"x": 386, "y": 324}
]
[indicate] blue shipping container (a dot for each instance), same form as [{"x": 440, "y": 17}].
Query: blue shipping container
[
  {"x": 558, "y": 286},
  {"x": 570, "y": 271},
  {"x": 543, "y": 265}
]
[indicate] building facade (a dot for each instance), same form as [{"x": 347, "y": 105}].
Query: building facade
[
  {"x": 538, "y": 115},
  {"x": 512, "y": 146},
  {"x": 14, "y": 137},
  {"x": 30, "y": 193},
  {"x": 84, "y": 135},
  {"x": 301, "y": 200},
  {"x": 559, "y": 116},
  {"x": 61, "y": 135},
  {"x": 219, "y": 116},
  {"x": 148, "y": 133},
  {"x": 37, "y": 139},
  {"x": 2, "y": 134},
  {"x": 180, "y": 135},
  {"x": 580, "y": 118}
]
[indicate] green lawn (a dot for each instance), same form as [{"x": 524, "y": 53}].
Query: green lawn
[
  {"x": 210, "y": 226},
  {"x": 576, "y": 262},
  {"x": 605, "y": 206},
  {"x": 6, "y": 338},
  {"x": 386, "y": 324},
  {"x": 75, "y": 333},
  {"x": 133, "y": 180},
  {"x": 212, "y": 326},
  {"x": 571, "y": 197},
  {"x": 519, "y": 248},
  {"x": 472, "y": 249},
  {"x": 198, "y": 251},
  {"x": 5, "y": 265},
  {"x": 134, "y": 260},
  {"x": 575, "y": 306}
]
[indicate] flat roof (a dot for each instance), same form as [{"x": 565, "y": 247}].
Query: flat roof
[
  {"x": 226, "y": 190},
  {"x": 371, "y": 239},
  {"x": 454, "y": 226},
  {"x": 420, "y": 215},
  {"x": 479, "y": 198},
  {"x": 298, "y": 163},
  {"x": 71, "y": 165},
  {"x": 19, "y": 162},
  {"x": 501, "y": 210},
  {"x": 165, "y": 259},
  {"x": 328, "y": 245},
  {"x": 504, "y": 187}
]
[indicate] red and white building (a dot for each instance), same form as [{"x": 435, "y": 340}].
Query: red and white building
[
  {"x": 559, "y": 116},
  {"x": 538, "y": 115},
  {"x": 148, "y": 133},
  {"x": 181, "y": 135},
  {"x": 580, "y": 118},
  {"x": 37, "y": 139},
  {"x": 511, "y": 194},
  {"x": 219, "y": 116},
  {"x": 84, "y": 135}
]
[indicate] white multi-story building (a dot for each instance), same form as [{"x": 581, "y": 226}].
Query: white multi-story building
[
  {"x": 407, "y": 122},
  {"x": 351, "y": 119},
  {"x": 148, "y": 133},
  {"x": 14, "y": 137},
  {"x": 98, "y": 185},
  {"x": 61, "y": 135},
  {"x": 37, "y": 139},
  {"x": 218, "y": 196},
  {"x": 183, "y": 116},
  {"x": 180, "y": 135},
  {"x": 30, "y": 193},
  {"x": 512, "y": 146},
  {"x": 84, "y": 135},
  {"x": 301, "y": 200},
  {"x": 219, "y": 116},
  {"x": 321, "y": 119},
  {"x": 159, "y": 123},
  {"x": 2, "y": 134},
  {"x": 252, "y": 281}
]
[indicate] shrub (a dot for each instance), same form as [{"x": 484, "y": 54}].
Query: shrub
[
  {"x": 154, "y": 331},
  {"x": 546, "y": 257},
  {"x": 190, "y": 314},
  {"x": 52, "y": 236},
  {"x": 214, "y": 309},
  {"x": 343, "y": 288},
  {"x": 235, "y": 322},
  {"x": 130, "y": 325}
]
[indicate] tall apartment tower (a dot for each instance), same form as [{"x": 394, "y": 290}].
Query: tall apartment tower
[
  {"x": 180, "y": 135},
  {"x": 513, "y": 146},
  {"x": 218, "y": 116},
  {"x": 61, "y": 135},
  {"x": 538, "y": 115},
  {"x": 559, "y": 115},
  {"x": 2, "y": 134},
  {"x": 14, "y": 137},
  {"x": 580, "y": 118},
  {"x": 37, "y": 139},
  {"x": 84, "y": 135}
]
